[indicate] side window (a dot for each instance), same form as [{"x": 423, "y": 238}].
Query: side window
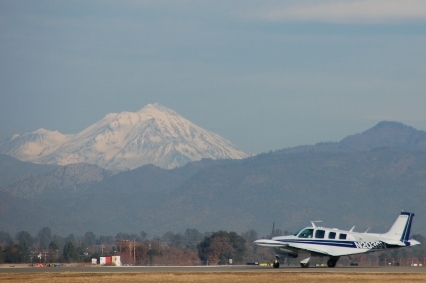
[
  {"x": 319, "y": 234},
  {"x": 332, "y": 235},
  {"x": 307, "y": 233},
  {"x": 342, "y": 236}
]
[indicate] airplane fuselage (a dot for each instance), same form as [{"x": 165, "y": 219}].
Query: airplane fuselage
[{"x": 331, "y": 242}]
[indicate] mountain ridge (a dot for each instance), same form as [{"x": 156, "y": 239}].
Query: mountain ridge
[
  {"x": 384, "y": 134},
  {"x": 120, "y": 141},
  {"x": 63, "y": 180},
  {"x": 363, "y": 188}
]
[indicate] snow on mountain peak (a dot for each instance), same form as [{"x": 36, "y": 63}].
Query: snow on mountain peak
[
  {"x": 153, "y": 135},
  {"x": 154, "y": 107},
  {"x": 30, "y": 146}
]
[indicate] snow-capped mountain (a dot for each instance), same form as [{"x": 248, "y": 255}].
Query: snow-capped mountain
[
  {"x": 32, "y": 146},
  {"x": 153, "y": 135}
]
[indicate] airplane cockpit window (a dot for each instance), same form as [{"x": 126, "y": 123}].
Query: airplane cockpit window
[
  {"x": 297, "y": 232},
  {"x": 307, "y": 233},
  {"x": 332, "y": 235},
  {"x": 319, "y": 234},
  {"x": 342, "y": 236}
]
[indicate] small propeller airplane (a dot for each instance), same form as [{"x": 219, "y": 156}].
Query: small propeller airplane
[{"x": 334, "y": 243}]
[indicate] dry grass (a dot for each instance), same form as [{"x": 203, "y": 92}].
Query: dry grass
[{"x": 245, "y": 277}]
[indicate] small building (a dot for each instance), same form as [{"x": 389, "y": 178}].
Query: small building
[
  {"x": 116, "y": 260},
  {"x": 110, "y": 260}
]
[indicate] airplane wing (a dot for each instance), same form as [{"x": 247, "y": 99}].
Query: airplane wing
[
  {"x": 279, "y": 244},
  {"x": 270, "y": 243}
]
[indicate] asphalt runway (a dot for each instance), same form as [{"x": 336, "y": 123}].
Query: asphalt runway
[{"x": 201, "y": 269}]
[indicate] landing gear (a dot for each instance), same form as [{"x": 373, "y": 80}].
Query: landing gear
[
  {"x": 276, "y": 262},
  {"x": 332, "y": 262},
  {"x": 305, "y": 263}
]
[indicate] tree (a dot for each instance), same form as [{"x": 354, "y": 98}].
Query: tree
[
  {"x": 192, "y": 237},
  {"x": 141, "y": 254},
  {"x": 70, "y": 252},
  {"x": 167, "y": 237},
  {"x": 53, "y": 246},
  {"x": 250, "y": 236},
  {"x": 178, "y": 241},
  {"x": 71, "y": 238},
  {"x": 45, "y": 237},
  {"x": 89, "y": 239},
  {"x": 2, "y": 255},
  {"x": 59, "y": 240},
  {"x": 221, "y": 246},
  {"x": 109, "y": 240},
  {"x": 239, "y": 245},
  {"x": 25, "y": 241},
  {"x": 5, "y": 238},
  {"x": 13, "y": 254}
]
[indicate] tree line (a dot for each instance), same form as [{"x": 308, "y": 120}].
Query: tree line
[{"x": 189, "y": 248}]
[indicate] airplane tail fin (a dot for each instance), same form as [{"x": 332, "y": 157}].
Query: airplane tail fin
[{"x": 400, "y": 230}]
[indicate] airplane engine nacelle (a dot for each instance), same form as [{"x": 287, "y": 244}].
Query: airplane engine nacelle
[{"x": 287, "y": 252}]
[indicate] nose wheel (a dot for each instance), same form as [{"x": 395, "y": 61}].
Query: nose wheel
[
  {"x": 276, "y": 262},
  {"x": 305, "y": 263}
]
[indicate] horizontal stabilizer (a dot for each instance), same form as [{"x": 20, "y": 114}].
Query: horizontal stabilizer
[
  {"x": 400, "y": 243},
  {"x": 270, "y": 243},
  {"x": 394, "y": 242},
  {"x": 413, "y": 242}
]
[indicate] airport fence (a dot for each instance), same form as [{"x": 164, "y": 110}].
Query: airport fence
[{"x": 369, "y": 261}]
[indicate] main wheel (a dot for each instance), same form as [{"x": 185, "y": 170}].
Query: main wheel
[
  {"x": 331, "y": 263},
  {"x": 276, "y": 264}
]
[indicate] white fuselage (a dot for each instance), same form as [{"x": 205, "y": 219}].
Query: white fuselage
[
  {"x": 332, "y": 242},
  {"x": 320, "y": 241}
]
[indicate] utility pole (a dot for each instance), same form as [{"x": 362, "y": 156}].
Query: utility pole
[
  {"x": 134, "y": 252},
  {"x": 159, "y": 254},
  {"x": 130, "y": 251}
]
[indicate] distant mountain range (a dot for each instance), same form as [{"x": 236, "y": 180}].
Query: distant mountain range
[
  {"x": 364, "y": 183},
  {"x": 384, "y": 134},
  {"x": 120, "y": 141},
  {"x": 11, "y": 169}
]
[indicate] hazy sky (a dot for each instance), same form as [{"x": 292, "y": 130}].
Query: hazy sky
[{"x": 263, "y": 74}]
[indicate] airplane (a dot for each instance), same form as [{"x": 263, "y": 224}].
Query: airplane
[{"x": 334, "y": 243}]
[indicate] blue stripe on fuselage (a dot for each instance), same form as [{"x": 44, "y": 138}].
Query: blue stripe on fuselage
[{"x": 345, "y": 244}]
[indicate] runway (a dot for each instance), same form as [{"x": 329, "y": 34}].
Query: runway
[{"x": 209, "y": 269}]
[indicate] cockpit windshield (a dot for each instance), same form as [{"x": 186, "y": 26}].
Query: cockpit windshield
[
  {"x": 307, "y": 233},
  {"x": 297, "y": 232}
]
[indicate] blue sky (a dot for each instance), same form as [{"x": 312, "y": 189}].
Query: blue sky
[{"x": 264, "y": 74}]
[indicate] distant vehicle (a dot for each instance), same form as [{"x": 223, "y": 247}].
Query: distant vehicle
[{"x": 334, "y": 243}]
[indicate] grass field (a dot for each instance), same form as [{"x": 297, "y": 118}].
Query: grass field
[{"x": 214, "y": 277}]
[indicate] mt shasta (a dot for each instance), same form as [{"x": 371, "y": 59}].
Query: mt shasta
[{"x": 127, "y": 140}]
